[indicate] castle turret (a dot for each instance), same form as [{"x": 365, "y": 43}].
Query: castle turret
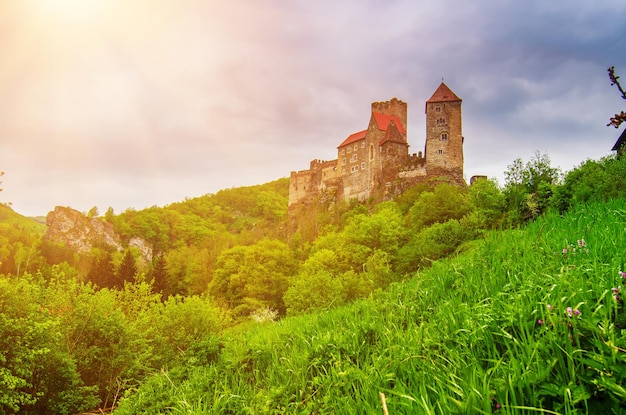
[
  {"x": 444, "y": 137},
  {"x": 393, "y": 107}
]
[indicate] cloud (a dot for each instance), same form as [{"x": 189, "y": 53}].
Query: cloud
[{"x": 137, "y": 103}]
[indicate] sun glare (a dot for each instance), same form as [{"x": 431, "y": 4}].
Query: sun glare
[{"x": 72, "y": 9}]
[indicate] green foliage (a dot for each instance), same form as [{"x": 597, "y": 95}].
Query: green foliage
[
  {"x": 102, "y": 272},
  {"x": 159, "y": 275},
  {"x": 525, "y": 322},
  {"x": 19, "y": 242},
  {"x": 188, "y": 271},
  {"x": 488, "y": 201},
  {"x": 253, "y": 277},
  {"x": 79, "y": 347},
  {"x": 314, "y": 291},
  {"x": 528, "y": 188},
  {"x": 126, "y": 271},
  {"x": 444, "y": 203},
  {"x": 37, "y": 375},
  {"x": 592, "y": 180}
]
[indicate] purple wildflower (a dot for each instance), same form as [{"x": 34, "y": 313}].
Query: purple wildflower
[
  {"x": 568, "y": 310},
  {"x": 576, "y": 312},
  {"x": 540, "y": 322},
  {"x": 622, "y": 274}
]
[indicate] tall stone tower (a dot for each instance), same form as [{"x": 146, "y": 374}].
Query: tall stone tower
[{"x": 444, "y": 137}]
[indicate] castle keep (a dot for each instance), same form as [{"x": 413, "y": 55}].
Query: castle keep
[{"x": 376, "y": 163}]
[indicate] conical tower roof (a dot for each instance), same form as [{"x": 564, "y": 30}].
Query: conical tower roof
[{"x": 443, "y": 94}]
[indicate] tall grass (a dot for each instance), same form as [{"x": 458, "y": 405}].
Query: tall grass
[{"x": 524, "y": 323}]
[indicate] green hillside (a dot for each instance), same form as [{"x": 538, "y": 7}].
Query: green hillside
[
  {"x": 444, "y": 300},
  {"x": 19, "y": 238},
  {"x": 527, "y": 321}
]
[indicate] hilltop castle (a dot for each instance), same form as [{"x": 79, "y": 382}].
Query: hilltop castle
[{"x": 376, "y": 163}]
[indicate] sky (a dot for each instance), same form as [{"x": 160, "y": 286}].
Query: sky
[{"x": 136, "y": 103}]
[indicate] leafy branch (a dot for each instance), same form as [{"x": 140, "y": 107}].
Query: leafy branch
[{"x": 618, "y": 119}]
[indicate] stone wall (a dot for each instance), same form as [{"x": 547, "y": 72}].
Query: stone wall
[{"x": 376, "y": 164}]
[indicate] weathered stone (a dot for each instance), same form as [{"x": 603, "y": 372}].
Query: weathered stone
[
  {"x": 71, "y": 228},
  {"x": 375, "y": 163}
]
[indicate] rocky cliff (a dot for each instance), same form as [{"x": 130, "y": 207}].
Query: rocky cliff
[{"x": 72, "y": 228}]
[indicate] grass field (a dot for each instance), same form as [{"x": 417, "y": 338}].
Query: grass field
[{"x": 522, "y": 322}]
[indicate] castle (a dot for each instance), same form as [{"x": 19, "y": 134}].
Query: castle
[{"x": 376, "y": 163}]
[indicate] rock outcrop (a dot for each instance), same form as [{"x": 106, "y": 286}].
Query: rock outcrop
[{"x": 72, "y": 228}]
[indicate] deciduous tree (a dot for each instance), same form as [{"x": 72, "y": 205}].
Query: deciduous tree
[{"x": 620, "y": 117}]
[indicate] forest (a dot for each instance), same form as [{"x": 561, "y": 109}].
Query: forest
[{"x": 488, "y": 298}]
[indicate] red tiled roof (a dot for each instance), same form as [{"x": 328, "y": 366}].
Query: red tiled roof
[
  {"x": 353, "y": 137},
  {"x": 382, "y": 121},
  {"x": 444, "y": 94}
]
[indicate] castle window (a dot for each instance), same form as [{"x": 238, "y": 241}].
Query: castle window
[
  {"x": 444, "y": 136},
  {"x": 439, "y": 151},
  {"x": 437, "y": 109},
  {"x": 349, "y": 150},
  {"x": 343, "y": 151},
  {"x": 356, "y": 147},
  {"x": 441, "y": 121},
  {"x": 353, "y": 158},
  {"x": 343, "y": 161},
  {"x": 363, "y": 144},
  {"x": 363, "y": 166},
  {"x": 371, "y": 152},
  {"x": 354, "y": 168}
]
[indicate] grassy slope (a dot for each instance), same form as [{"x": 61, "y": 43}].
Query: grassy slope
[
  {"x": 462, "y": 337},
  {"x": 10, "y": 218}
]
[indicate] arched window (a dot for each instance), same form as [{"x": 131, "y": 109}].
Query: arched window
[
  {"x": 444, "y": 136},
  {"x": 372, "y": 152}
]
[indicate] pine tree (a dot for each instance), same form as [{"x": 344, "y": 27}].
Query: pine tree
[
  {"x": 127, "y": 270},
  {"x": 102, "y": 272},
  {"x": 159, "y": 275}
]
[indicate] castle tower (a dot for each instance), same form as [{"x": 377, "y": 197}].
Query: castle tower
[
  {"x": 444, "y": 137},
  {"x": 393, "y": 107}
]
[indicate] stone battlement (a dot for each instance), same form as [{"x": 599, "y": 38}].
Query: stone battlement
[{"x": 375, "y": 163}]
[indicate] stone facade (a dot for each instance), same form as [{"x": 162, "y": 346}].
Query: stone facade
[{"x": 375, "y": 163}]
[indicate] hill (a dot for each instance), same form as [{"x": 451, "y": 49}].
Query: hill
[
  {"x": 527, "y": 321},
  {"x": 19, "y": 237}
]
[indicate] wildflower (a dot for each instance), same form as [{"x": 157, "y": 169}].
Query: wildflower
[
  {"x": 564, "y": 251},
  {"x": 568, "y": 311},
  {"x": 576, "y": 312},
  {"x": 540, "y": 322},
  {"x": 581, "y": 243},
  {"x": 622, "y": 274},
  {"x": 549, "y": 306}
]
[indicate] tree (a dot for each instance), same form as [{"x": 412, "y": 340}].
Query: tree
[
  {"x": 618, "y": 119},
  {"x": 251, "y": 277},
  {"x": 444, "y": 203},
  {"x": 159, "y": 274},
  {"x": 528, "y": 188},
  {"x": 93, "y": 212},
  {"x": 488, "y": 201},
  {"x": 102, "y": 272},
  {"x": 127, "y": 270}
]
